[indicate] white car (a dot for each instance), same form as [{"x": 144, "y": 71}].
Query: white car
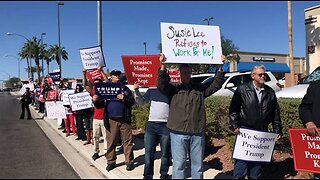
[
  {"x": 299, "y": 90},
  {"x": 233, "y": 80}
]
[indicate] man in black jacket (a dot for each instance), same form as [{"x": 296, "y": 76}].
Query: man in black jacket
[
  {"x": 253, "y": 106},
  {"x": 309, "y": 111},
  {"x": 25, "y": 100}
]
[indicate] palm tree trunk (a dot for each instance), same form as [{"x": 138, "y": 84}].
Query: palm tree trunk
[
  {"x": 48, "y": 67},
  {"x": 291, "y": 62},
  {"x": 38, "y": 71},
  {"x": 28, "y": 68}
]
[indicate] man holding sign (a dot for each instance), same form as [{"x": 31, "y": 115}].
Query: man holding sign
[
  {"x": 309, "y": 112},
  {"x": 118, "y": 119},
  {"x": 253, "y": 106},
  {"x": 187, "y": 118}
]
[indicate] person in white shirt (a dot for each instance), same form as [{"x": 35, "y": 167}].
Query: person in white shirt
[{"x": 156, "y": 130}]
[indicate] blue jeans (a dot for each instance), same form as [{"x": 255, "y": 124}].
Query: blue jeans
[
  {"x": 243, "y": 168},
  {"x": 156, "y": 132},
  {"x": 183, "y": 144}
]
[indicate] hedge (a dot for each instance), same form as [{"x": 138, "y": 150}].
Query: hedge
[{"x": 217, "y": 109}]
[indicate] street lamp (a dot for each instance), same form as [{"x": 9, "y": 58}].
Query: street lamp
[
  {"x": 19, "y": 60},
  {"x": 58, "y": 5},
  {"x": 9, "y": 34},
  {"x": 208, "y": 20},
  {"x": 42, "y": 34},
  {"x": 145, "y": 47}
]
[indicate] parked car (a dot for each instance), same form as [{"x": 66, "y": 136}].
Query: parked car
[
  {"x": 233, "y": 80},
  {"x": 299, "y": 90}
]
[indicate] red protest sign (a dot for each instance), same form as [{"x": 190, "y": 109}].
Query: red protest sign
[
  {"x": 174, "y": 76},
  {"x": 51, "y": 95},
  {"x": 142, "y": 69},
  {"x": 306, "y": 150},
  {"x": 93, "y": 74}
]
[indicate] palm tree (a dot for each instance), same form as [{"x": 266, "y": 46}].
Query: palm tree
[
  {"x": 291, "y": 63},
  {"x": 55, "y": 50},
  {"x": 37, "y": 49},
  {"x": 33, "y": 69},
  {"x": 48, "y": 57},
  {"x": 25, "y": 53}
]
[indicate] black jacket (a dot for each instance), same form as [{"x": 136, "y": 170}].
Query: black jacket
[
  {"x": 246, "y": 111},
  {"x": 128, "y": 102},
  {"x": 309, "y": 109},
  {"x": 26, "y": 98}
]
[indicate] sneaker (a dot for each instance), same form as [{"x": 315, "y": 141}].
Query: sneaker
[
  {"x": 95, "y": 156},
  {"x": 130, "y": 167},
  {"x": 110, "y": 167},
  {"x": 119, "y": 149}
]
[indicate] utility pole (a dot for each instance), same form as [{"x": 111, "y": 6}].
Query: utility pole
[
  {"x": 145, "y": 48},
  {"x": 99, "y": 23}
]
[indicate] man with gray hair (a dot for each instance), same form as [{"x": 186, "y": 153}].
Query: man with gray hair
[{"x": 253, "y": 106}]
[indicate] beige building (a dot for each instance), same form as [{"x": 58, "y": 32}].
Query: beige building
[
  {"x": 312, "y": 23},
  {"x": 278, "y": 64}
]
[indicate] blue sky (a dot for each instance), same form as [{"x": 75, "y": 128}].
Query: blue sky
[{"x": 252, "y": 26}]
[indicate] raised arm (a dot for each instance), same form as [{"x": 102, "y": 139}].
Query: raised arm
[
  {"x": 140, "y": 100},
  {"x": 163, "y": 82},
  {"x": 218, "y": 80},
  {"x": 103, "y": 73}
]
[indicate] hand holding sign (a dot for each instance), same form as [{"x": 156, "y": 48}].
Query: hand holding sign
[{"x": 312, "y": 129}]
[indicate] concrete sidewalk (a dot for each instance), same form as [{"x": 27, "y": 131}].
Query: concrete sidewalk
[{"x": 120, "y": 171}]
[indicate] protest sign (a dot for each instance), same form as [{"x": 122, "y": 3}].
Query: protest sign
[
  {"x": 31, "y": 86},
  {"x": 51, "y": 95},
  {"x": 92, "y": 57},
  {"x": 93, "y": 74},
  {"x": 305, "y": 150},
  {"x": 142, "y": 69},
  {"x": 65, "y": 96},
  {"x": 55, "y": 76},
  {"x": 253, "y": 145},
  {"x": 23, "y": 89},
  {"x": 108, "y": 90},
  {"x": 174, "y": 75},
  {"x": 80, "y": 101},
  {"x": 189, "y": 43},
  {"x": 55, "y": 110}
]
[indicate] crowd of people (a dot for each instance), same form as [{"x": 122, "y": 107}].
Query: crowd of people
[{"x": 177, "y": 118}]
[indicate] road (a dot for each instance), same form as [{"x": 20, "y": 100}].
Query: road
[{"x": 25, "y": 151}]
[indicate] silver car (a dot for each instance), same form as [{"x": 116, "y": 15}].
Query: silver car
[{"x": 299, "y": 90}]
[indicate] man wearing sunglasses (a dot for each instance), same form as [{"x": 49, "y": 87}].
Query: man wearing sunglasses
[{"x": 253, "y": 106}]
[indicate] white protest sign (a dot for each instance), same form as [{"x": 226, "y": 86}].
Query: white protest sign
[
  {"x": 65, "y": 96},
  {"x": 80, "y": 101},
  {"x": 92, "y": 57},
  {"x": 55, "y": 110},
  {"x": 188, "y": 43},
  {"x": 253, "y": 145},
  {"x": 31, "y": 86},
  {"x": 23, "y": 89}
]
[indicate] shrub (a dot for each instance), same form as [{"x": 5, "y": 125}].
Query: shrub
[
  {"x": 217, "y": 111},
  {"x": 140, "y": 115}
]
